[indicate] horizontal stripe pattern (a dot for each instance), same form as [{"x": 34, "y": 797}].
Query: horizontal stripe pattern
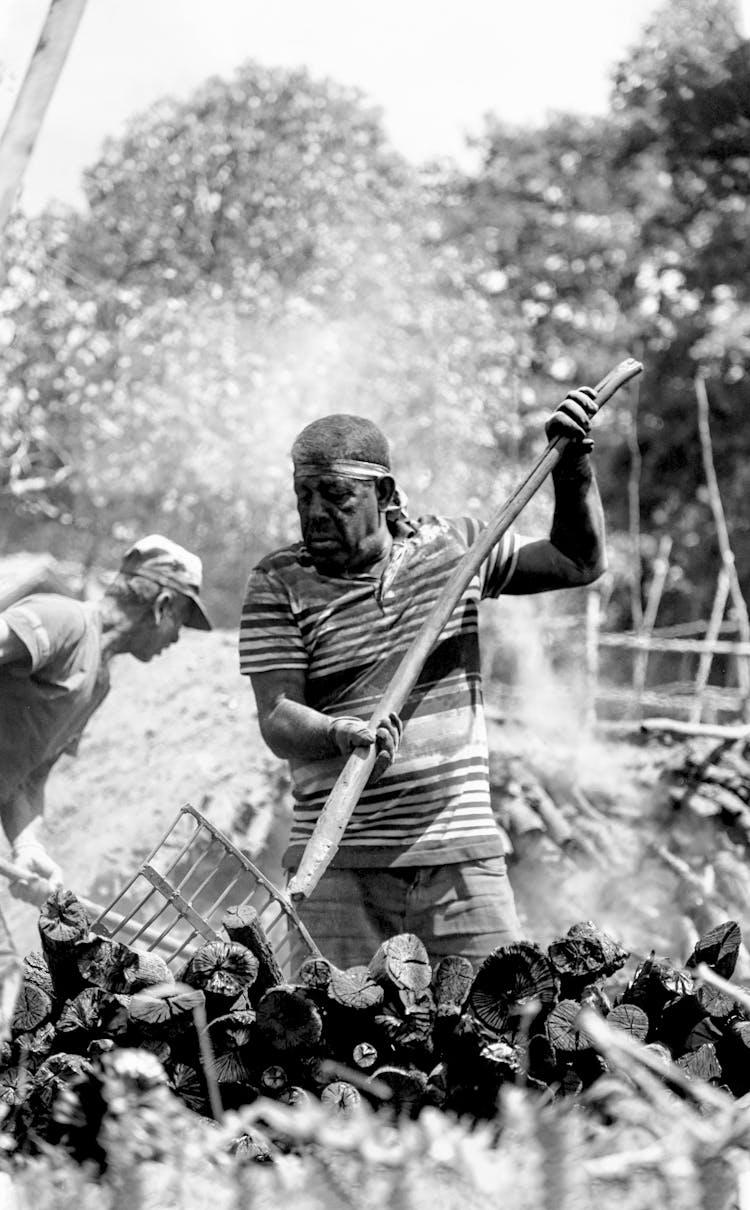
[{"x": 348, "y": 635}]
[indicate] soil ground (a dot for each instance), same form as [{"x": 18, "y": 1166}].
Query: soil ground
[{"x": 181, "y": 729}]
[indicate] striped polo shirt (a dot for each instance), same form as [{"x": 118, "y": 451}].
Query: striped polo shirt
[{"x": 348, "y": 635}]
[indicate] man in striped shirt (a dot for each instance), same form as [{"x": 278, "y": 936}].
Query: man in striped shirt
[{"x": 325, "y": 623}]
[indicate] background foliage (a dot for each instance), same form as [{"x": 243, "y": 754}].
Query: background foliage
[{"x": 259, "y": 255}]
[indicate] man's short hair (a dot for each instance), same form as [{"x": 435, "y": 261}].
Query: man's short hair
[{"x": 341, "y": 436}]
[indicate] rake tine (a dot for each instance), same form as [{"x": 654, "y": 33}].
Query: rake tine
[
  {"x": 285, "y": 930},
  {"x": 215, "y": 906},
  {"x": 126, "y": 920}
]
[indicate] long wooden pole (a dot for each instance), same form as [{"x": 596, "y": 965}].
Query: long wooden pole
[
  {"x": 26, "y": 117},
  {"x": 353, "y": 778},
  {"x": 722, "y": 534}
]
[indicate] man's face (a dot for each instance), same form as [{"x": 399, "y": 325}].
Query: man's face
[
  {"x": 160, "y": 626},
  {"x": 340, "y": 520}
]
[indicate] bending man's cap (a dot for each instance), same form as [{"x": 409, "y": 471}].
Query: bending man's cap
[{"x": 165, "y": 563}]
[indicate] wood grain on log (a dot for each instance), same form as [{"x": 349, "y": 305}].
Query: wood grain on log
[
  {"x": 718, "y": 948},
  {"x": 221, "y": 968},
  {"x": 514, "y": 983},
  {"x": 354, "y": 988},
  {"x": 242, "y": 925},
  {"x": 402, "y": 960},
  {"x": 340, "y": 1096},
  {"x": 287, "y": 1020},
  {"x": 33, "y": 1006},
  {"x": 451, "y": 984}
]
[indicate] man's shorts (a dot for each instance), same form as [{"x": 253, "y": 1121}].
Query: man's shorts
[{"x": 464, "y": 908}]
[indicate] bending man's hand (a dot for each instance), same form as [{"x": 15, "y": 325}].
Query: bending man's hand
[
  {"x": 350, "y": 733},
  {"x": 572, "y": 419},
  {"x": 41, "y": 875}
]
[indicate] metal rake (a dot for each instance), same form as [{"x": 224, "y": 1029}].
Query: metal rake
[{"x": 174, "y": 903}]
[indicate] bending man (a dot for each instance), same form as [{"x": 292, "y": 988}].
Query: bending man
[
  {"x": 325, "y": 624},
  {"x": 54, "y": 673}
]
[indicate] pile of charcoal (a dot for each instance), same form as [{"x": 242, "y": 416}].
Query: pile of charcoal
[
  {"x": 395, "y": 1033},
  {"x": 711, "y": 779}
]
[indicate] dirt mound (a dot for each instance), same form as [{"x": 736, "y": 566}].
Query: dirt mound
[{"x": 180, "y": 729}]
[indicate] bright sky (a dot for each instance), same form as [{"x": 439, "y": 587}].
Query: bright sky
[{"x": 435, "y": 67}]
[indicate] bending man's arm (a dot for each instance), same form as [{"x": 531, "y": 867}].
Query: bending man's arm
[{"x": 21, "y": 813}]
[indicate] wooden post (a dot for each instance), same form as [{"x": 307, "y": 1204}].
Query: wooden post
[
  {"x": 656, "y": 588},
  {"x": 634, "y": 513},
  {"x": 20, "y": 134},
  {"x": 722, "y": 534},
  {"x": 712, "y": 634}
]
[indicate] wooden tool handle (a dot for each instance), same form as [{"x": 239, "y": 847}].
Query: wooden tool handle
[{"x": 353, "y": 778}]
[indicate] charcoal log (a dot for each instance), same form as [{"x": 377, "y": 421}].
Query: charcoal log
[
  {"x": 631, "y": 1019},
  {"x": 315, "y": 974},
  {"x": 451, "y": 984},
  {"x": 354, "y": 988},
  {"x": 80, "y": 1016},
  {"x": 402, "y": 960},
  {"x": 364, "y": 1056},
  {"x": 32, "y": 1048},
  {"x": 341, "y": 1097},
  {"x": 513, "y": 988},
  {"x": 718, "y": 949},
  {"x": 164, "y": 1015},
  {"x": 188, "y": 1084},
  {"x": 242, "y": 925},
  {"x": 142, "y": 969},
  {"x": 63, "y": 922},
  {"x": 36, "y": 972},
  {"x": 288, "y": 1021},
  {"x": 563, "y": 1031},
  {"x": 222, "y": 970},
  {"x": 33, "y": 1007},
  {"x": 408, "y": 1088},
  {"x": 656, "y": 983},
  {"x": 100, "y": 962},
  {"x": 585, "y": 954},
  {"x": 15, "y": 1083},
  {"x": 701, "y": 1064},
  {"x": 274, "y": 1079}
]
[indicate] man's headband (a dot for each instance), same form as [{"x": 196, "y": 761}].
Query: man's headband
[{"x": 340, "y": 466}]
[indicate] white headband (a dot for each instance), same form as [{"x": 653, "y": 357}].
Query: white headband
[{"x": 341, "y": 466}]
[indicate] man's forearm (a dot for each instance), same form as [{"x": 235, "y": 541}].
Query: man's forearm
[
  {"x": 295, "y": 731},
  {"x": 578, "y": 520}
]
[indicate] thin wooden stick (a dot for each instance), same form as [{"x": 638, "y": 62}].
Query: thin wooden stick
[
  {"x": 34, "y": 96},
  {"x": 707, "y": 655},
  {"x": 656, "y": 588},
  {"x": 711, "y": 730},
  {"x": 343, "y": 798},
  {"x": 632, "y": 641}
]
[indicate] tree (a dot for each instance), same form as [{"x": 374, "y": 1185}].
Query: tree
[{"x": 252, "y": 258}]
